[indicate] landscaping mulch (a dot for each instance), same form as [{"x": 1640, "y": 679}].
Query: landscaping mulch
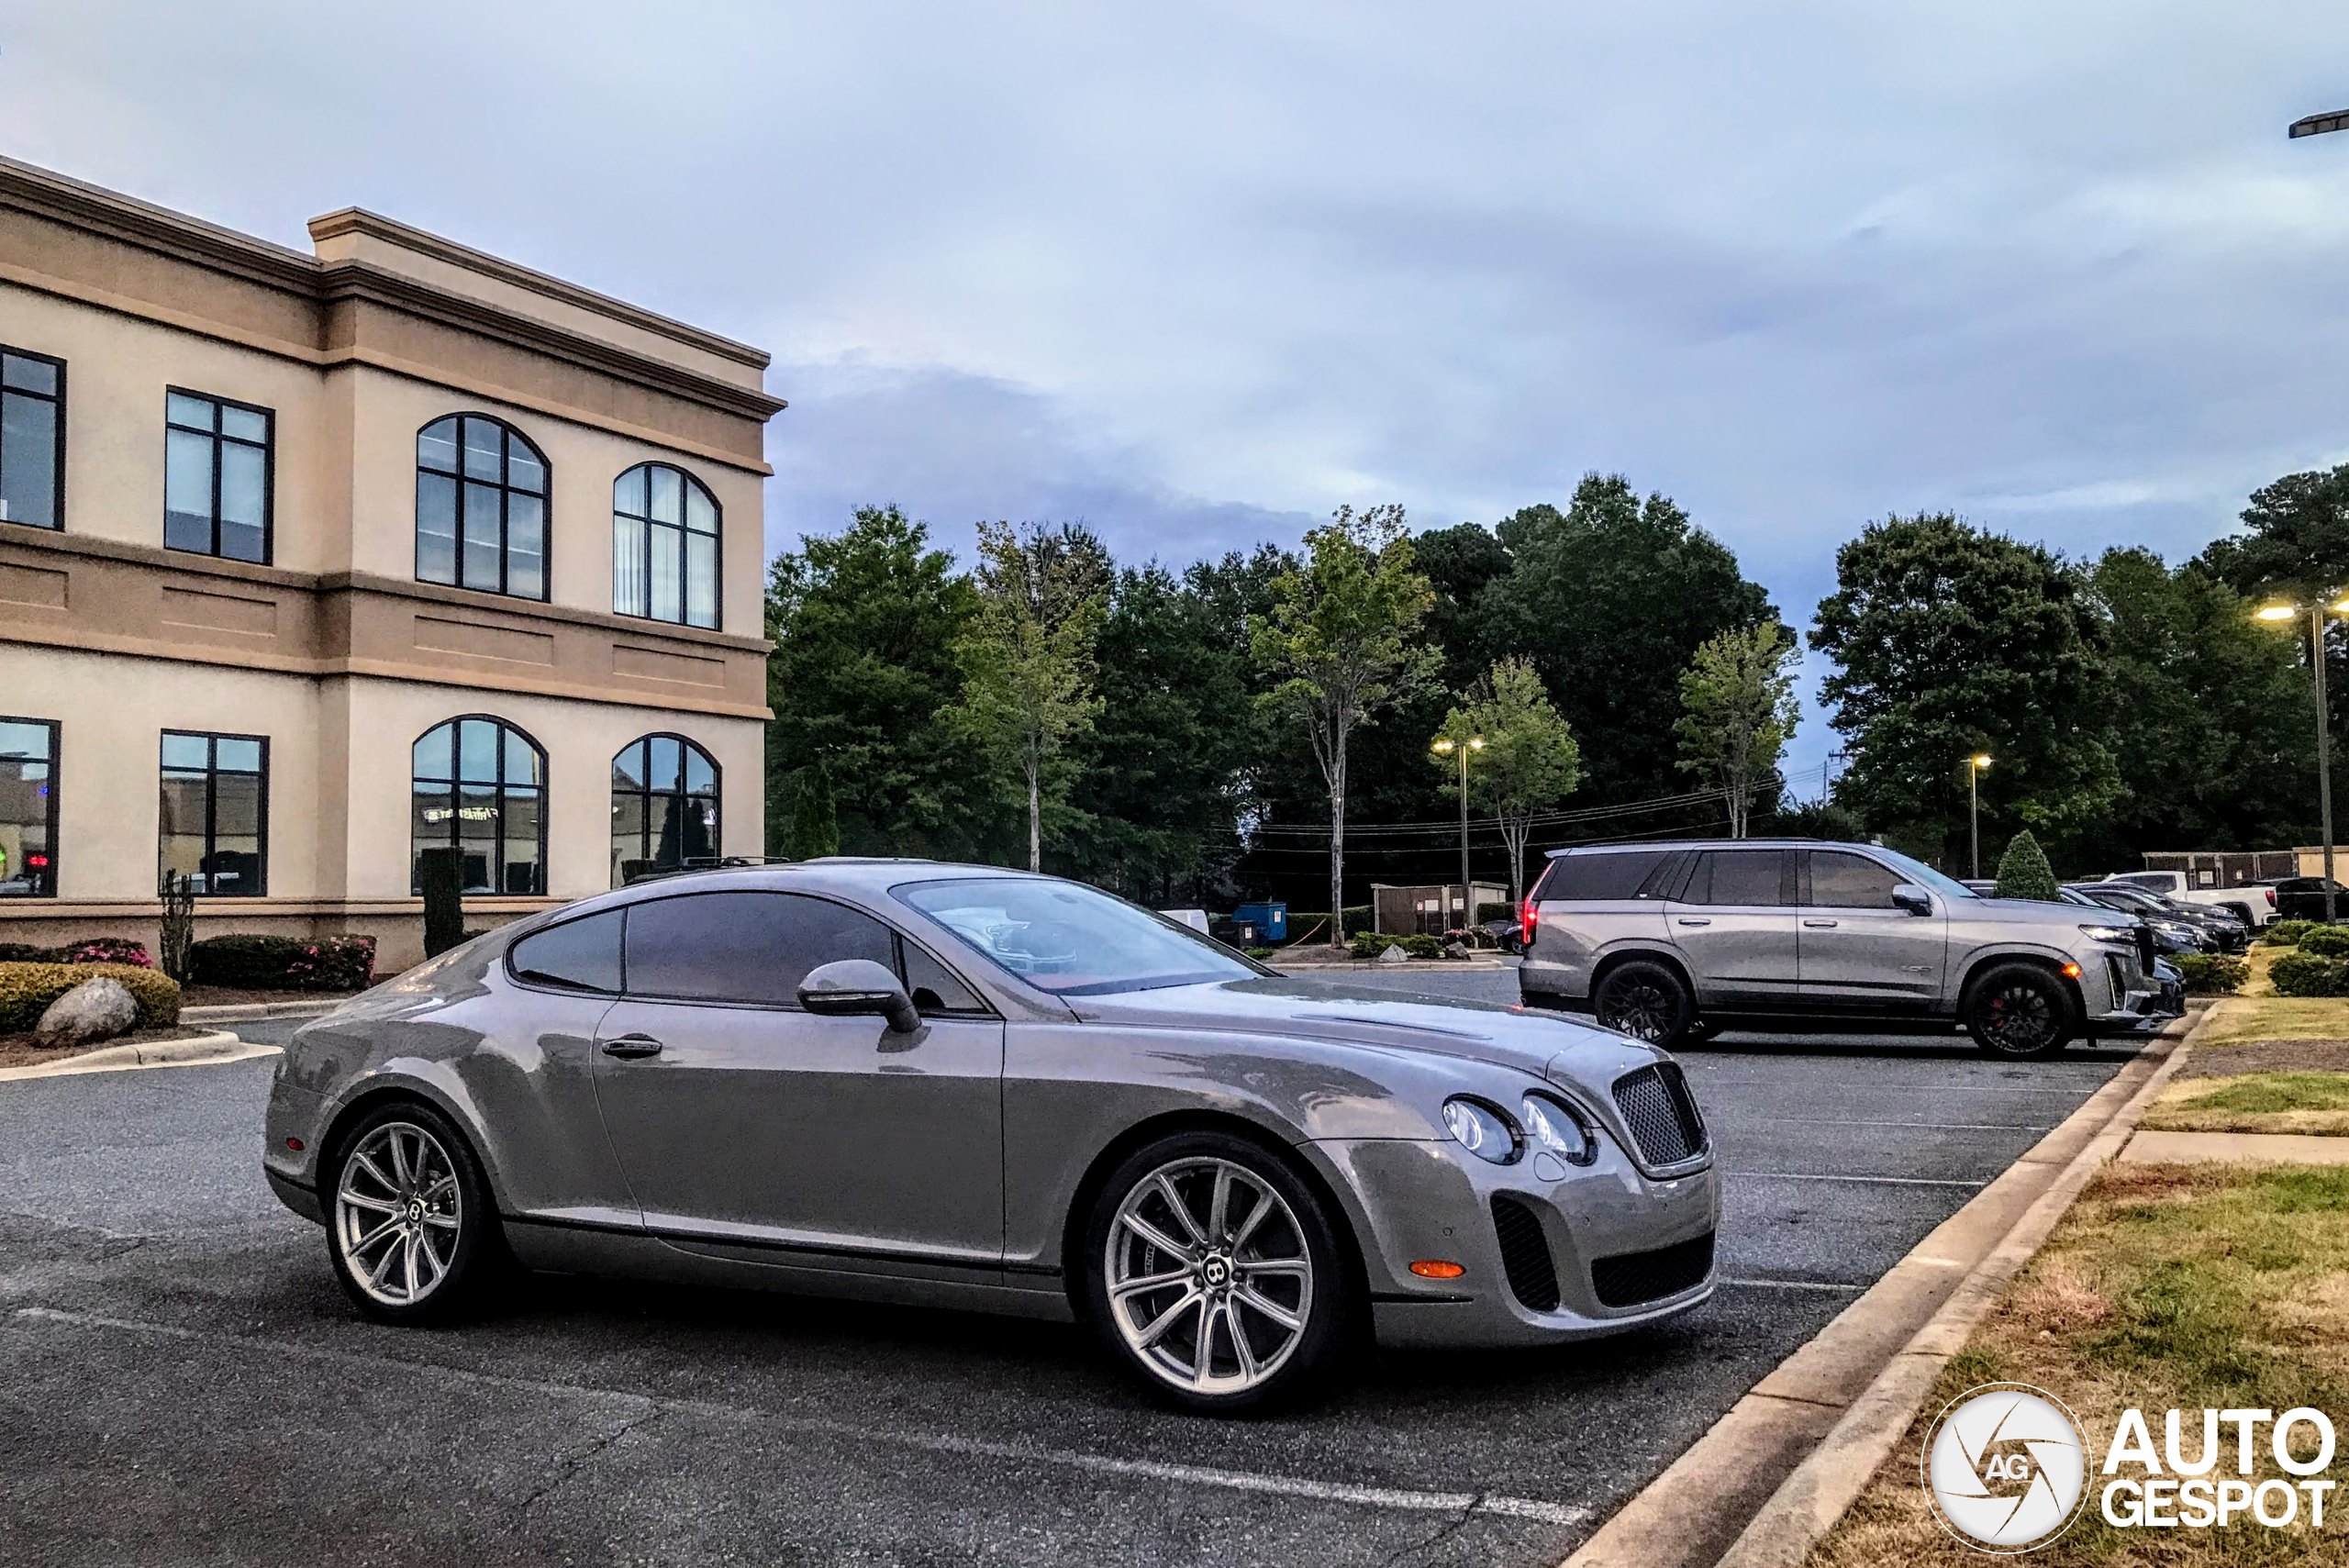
[
  {"x": 228, "y": 996},
  {"x": 25, "y": 1050},
  {"x": 2269, "y": 1056}
]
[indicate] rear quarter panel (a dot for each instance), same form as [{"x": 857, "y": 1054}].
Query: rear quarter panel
[{"x": 1571, "y": 939}]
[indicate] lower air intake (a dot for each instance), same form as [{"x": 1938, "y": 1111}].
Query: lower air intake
[
  {"x": 1525, "y": 1254},
  {"x": 1630, "y": 1278}
]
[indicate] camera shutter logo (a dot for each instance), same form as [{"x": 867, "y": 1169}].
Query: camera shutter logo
[{"x": 2006, "y": 1466}]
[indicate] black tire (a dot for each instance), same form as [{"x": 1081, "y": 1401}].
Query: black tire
[
  {"x": 1331, "y": 1307},
  {"x": 1647, "y": 1001},
  {"x": 1703, "y": 1029},
  {"x": 448, "y": 1209},
  {"x": 2021, "y": 1012}
]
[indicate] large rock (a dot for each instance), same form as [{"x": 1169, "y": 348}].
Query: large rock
[{"x": 96, "y": 1009}]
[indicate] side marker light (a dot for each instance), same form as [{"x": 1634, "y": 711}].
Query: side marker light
[{"x": 1437, "y": 1268}]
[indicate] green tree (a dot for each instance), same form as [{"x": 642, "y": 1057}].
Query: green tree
[
  {"x": 1949, "y": 640},
  {"x": 814, "y": 815},
  {"x": 1028, "y": 658},
  {"x": 2023, "y": 871},
  {"x": 1528, "y": 760},
  {"x": 1738, "y": 710},
  {"x": 864, "y": 624},
  {"x": 2294, "y": 538},
  {"x": 1611, "y": 599},
  {"x": 1343, "y": 633}
]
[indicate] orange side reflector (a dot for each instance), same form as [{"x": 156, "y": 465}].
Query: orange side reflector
[
  {"x": 2073, "y": 970},
  {"x": 1437, "y": 1268}
]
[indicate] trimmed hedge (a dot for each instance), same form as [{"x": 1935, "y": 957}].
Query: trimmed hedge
[
  {"x": 2209, "y": 974},
  {"x": 27, "y": 989},
  {"x": 251, "y": 962},
  {"x": 1370, "y": 944},
  {"x": 96, "y": 950},
  {"x": 2307, "y": 974},
  {"x": 2288, "y": 933},
  {"x": 1301, "y": 921},
  {"x": 2326, "y": 942}
]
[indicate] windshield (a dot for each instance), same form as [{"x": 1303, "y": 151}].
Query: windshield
[
  {"x": 1924, "y": 875},
  {"x": 1072, "y": 939}
]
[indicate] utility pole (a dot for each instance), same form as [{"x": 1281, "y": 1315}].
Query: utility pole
[{"x": 2323, "y": 748}]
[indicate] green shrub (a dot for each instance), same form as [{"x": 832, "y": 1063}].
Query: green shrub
[
  {"x": 2326, "y": 942},
  {"x": 25, "y": 953},
  {"x": 250, "y": 962},
  {"x": 27, "y": 989},
  {"x": 1487, "y": 912},
  {"x": 2288, "y": 933},
  {"x": 2307, "y": 974},
  {"x": 1260, "y": 954},
  {"x": 1370, "y": 944},
  {"x": 2211, "y": 975},
  {"x": 2023, "y": 871}
]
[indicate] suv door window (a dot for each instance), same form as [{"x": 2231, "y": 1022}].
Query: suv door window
[
  {"x": 1841, "y": 880},
  {"x": 745, "y": 947},
  {"x": 1749, "y": 878}
]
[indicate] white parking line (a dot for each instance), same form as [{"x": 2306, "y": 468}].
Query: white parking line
[
  {"x": 1716, "y": 1117},
  {"x": 1148, "y": 1469},
  {"x": 1888, "y": 1181},
  {"x": 1795, "y": 1285}
]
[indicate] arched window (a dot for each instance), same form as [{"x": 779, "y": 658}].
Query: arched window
[
  {"x": 664, "y": 546},
  {"x": 481, "y": 507},
  {"x": 479, "y": 787},
  {"x": 665, "y": 806}
]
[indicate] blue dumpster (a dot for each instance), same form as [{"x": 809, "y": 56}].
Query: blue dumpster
[{"x": 1271, "y": 920}]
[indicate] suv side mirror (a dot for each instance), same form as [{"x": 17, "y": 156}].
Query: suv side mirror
[
  {"x": 854, "y": 986},
  {"x": 1907, "y": 896}
]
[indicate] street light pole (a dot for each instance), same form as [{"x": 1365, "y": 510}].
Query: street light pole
[
  {"x": 1973, "y": 766},
  {"x": 2323, "y": 747},
  {"x": 1461, "y": 749}
]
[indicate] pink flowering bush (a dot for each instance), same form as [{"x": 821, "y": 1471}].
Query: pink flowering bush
[{"x": 252, "y": 963}]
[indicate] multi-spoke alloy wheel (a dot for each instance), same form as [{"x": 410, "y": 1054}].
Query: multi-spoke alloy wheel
[
  {"x": 409, "y": 1222},
  {"x": 2020, "y": 1010},
  {"x": 1647, "y": 1002},
  {"x": 397, "y": 1212},
  {"x": 1217, "y": 1272}
]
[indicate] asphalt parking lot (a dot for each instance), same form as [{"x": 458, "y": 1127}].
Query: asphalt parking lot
[{"x": 181, "y": 1382}]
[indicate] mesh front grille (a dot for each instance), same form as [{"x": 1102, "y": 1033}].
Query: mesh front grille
[
  {"x": 1662, "y": 1117},
  {"x": 1633, "y": 1277},
  {"x": 1525, "y": 1254}
]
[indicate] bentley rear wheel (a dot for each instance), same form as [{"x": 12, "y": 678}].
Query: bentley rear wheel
[
  {"x": 410, "y": 1224},
  {"x": 1212, "y": 1269}
]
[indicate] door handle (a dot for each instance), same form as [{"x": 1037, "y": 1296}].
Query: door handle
[
  {"x": 1820, "y": 925},
  {"x": 1685, "y": 920},
  {"x": 632, "y": 1045}
]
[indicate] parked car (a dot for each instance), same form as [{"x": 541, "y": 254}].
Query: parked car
[
  {"x": 2302, "y": 898},
  {"x": 2170, "y": 937},
  {"x": 1669, "y": 942},
  {"x": 2247, "y": 903},
  {"x": 2210, "y": 930},
  {"x": 960, "y": 1086}
]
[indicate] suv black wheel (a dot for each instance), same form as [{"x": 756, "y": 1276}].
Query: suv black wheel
[
  {"x": 2020, "y": 1010},
  {"x": 1647, "y": 1001},
  {"x": 1213, "y": 1271}
]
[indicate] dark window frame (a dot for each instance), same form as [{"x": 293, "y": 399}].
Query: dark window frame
[
  {"x": 212, "y": 773},
  {"x": 455, "y": 784},
  {"x": 506, "y": 491},
  {"x": 56, "y": 729},
  {"x": 56, "y": 476},
  {"x": 684, "y": 530},
  {"x": 681, "y": 794},
  {"x": 268, "y": 444},
  {"x": 1790, "y": 890}
]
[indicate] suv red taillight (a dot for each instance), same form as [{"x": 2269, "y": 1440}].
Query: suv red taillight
[{"x": 1527, "y": 918}]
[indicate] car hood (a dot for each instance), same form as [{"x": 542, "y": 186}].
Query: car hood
[{"x": 1545, "y": 1045}]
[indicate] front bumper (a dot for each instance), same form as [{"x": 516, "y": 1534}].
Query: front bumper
[{"x": 1431, "y": 1200}]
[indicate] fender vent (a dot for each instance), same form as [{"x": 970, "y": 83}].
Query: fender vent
[
  {"x": 1663, "y": 1117},
  {"x": 1525, "y": 1254},
  {"x": 1629, "y": 1278}
]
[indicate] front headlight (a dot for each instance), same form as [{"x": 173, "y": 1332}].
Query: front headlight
[
  {"x": 2108, "y": 934},
  {"x": 1482, "y": 1131},
  {"x": 1559, "y": 1129}
]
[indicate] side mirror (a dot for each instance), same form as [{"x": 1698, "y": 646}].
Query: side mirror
[
  {"x": 854, "y": 986},
  {"x": 1907, "y": 896}
]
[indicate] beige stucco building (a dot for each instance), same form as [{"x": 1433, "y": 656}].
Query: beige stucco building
[{"x": 308, "y": 562}]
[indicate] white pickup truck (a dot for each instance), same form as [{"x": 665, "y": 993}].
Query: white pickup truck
[{"x": 2254, "y": 905}]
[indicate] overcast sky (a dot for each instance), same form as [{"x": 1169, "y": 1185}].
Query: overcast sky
[{"x": 1197, "y": 273}]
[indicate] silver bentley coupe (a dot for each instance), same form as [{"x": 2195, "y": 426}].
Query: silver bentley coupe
[{"x": 962, "y": 1086}]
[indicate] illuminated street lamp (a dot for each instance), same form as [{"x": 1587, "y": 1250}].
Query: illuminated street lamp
[
  {"x": 1975, "y": 766},
  {"x": 2315, "y": 610},
  {"x": 1448, "y": 746}
]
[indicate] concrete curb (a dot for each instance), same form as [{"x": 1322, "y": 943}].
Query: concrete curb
[
  {"x": 1808, "y": 1502},
  {"x": 219, "y": 1046},
  {"x": 1372, "y": 966},
  {"x": 245, "y": 1012},
  {"x": 1767, "y": 1449}
]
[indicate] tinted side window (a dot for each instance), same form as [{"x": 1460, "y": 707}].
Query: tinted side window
[
  {"x": 1590, "y": 878},
  {"x": 1748, "y": 877},
  {"x": 744, "y": 947},
  {"x": 1850, "y": 882},
  {"x": 579, "y": 955},
  {"x": 933, "y": 987}
]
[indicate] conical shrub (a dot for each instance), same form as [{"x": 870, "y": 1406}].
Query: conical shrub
[{"x": 2023, "y": 871}]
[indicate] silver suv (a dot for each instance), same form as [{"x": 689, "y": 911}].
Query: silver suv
[{"x": 1670, "y": 943}]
